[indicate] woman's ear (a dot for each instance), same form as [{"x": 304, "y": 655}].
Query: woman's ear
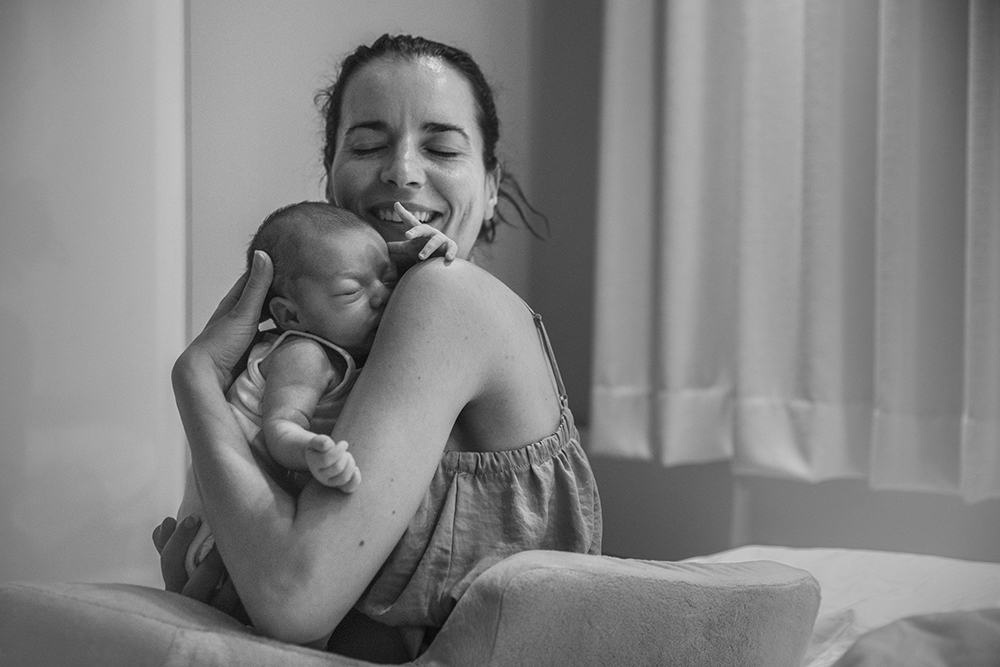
[
  {"x": 285, "y": 313},
  {"x": 492, "y": 191}
]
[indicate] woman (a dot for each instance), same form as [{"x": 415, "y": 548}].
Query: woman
[{"x": 459, "y": 421}]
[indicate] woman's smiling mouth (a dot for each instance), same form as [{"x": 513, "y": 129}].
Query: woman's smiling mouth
[{"x": 387, "y": 214}]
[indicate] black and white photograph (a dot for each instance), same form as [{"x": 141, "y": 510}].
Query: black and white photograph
[{"x": 500, "y": 333}]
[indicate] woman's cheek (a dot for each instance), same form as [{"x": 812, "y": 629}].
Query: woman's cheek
[{"x": 348, "y": 181}]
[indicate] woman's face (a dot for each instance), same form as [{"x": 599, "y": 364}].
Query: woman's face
[{"x": 408, "y": 133}]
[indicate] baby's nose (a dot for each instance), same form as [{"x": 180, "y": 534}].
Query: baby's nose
[{"x": 380, "y": 296}]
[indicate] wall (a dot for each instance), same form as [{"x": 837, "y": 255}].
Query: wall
[
  {"x": 92, "y": 205},
  {"x": 256, "y": 135},
  {"x": 95, "y": 247}
]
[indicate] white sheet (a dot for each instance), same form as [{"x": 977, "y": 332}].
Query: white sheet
[{"x": 863, "y": 590}]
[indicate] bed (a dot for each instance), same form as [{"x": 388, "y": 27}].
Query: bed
[
  {"x": 883, "y": 608},
  {"x": 753, "y": 606}
]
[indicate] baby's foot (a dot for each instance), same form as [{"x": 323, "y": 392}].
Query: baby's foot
[{"x": 331, "y": 464}]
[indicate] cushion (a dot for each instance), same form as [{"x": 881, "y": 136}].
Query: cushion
[{"x": 536, "y": 607}]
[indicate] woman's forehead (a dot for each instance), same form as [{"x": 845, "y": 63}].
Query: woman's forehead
[{"x": 425, "y": 89}]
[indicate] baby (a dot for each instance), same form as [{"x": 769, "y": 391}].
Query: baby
[{"x": 332, "y": 278}]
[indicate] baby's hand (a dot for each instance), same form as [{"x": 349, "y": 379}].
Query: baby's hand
[
  {"x": 331, "y": 464},
  {"x": 436, "y": 243}
]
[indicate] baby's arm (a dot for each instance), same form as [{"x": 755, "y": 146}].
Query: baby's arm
[{"x": 296, "y": 374}]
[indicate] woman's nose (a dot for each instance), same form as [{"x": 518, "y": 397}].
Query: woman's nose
[{"x": 403, "y": 168}]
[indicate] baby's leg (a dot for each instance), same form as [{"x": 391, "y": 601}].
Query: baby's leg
[{"x": 331, "y": 464}]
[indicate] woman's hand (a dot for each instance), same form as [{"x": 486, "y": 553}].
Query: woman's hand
[
  {"x": 211, "y": 362},
  {"x": 226, "y": 339},
  {"x": 423, "y": 241},
  {"x": 209, "y": 582}
]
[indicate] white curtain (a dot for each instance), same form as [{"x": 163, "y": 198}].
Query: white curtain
[{"x": 799, "y": 239}]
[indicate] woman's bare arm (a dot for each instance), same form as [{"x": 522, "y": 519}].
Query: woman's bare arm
[{"x": 300, "y": 565}]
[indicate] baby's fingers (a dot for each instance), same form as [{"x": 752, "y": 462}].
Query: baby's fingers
[
  {"x": 326, "y": 457},
  {"x": 432, "y": 244},
  {"x": 436, "y": 240},
  {"x": 352, "y": 484},
  {"x": 408, "y": 218},
  {"x": 322, "y": 444},
  {"x": 346, "y": 480}
]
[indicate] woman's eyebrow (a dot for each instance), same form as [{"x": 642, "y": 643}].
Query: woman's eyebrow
[
  {"x": 430, "y": 128},
  {"x": 437, "y": 128},
  {"x": 376, "y": 125}
]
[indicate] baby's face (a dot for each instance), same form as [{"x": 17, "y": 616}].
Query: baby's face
[{"x": 345, "y": 287}]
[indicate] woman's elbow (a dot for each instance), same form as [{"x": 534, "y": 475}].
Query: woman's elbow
[
  {"x": 292, "y": 621},
  {"x": 294, "y": 631}
]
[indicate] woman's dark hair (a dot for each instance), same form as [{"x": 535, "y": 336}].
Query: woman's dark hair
[{"x": 409, "y": 47}]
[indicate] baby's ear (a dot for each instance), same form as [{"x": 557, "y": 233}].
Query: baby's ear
[{"x": 285, "y": 313}]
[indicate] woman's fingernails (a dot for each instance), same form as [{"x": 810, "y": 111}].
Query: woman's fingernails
[{"x": 190, "y": 520}]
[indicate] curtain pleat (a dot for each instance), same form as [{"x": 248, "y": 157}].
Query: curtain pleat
[
  {"x": 920, "y": 263},
  {"x": 980, "y": 451},
  {"x": 798, "y": 255},
  {"x": 625, "y": 346}
]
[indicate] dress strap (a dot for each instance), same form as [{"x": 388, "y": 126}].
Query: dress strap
[{"x": 547, "y": 346}]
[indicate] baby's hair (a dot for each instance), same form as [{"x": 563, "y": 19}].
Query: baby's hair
[{"x": 285, "y": 236}]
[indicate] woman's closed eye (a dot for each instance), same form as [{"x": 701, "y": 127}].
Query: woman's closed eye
[
  {"x": 367, "y": 149},
  {"x": 365, "y": 140},
  {"x": 443, "y": 151}
]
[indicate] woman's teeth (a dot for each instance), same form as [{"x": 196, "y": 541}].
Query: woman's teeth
[{"x": 389, "y": 215}]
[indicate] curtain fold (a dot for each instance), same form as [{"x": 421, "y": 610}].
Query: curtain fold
[{"x": 798, "y": 241}]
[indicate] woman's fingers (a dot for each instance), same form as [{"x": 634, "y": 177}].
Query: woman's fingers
[
  {"x": 226, "y": 599},
  {"x": 254, "y": 291},
  {"x": 173, "y": 551},
  {"x": 227, "y": 337},
  {"x": 209, "y": 582},
  {"x": 232, "y": 296},
  {"x": 163, "y": 532},
  {"x": 206, "y": 578},
  {"x": 249, "y": 289}
]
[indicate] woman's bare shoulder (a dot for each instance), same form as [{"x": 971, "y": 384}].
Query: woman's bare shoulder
[
  {"x": 458, "y": 274},
  {"x": 455, "y": 310},
  {"x": 453, "y": 289}
]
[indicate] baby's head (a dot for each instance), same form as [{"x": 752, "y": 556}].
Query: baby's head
[{"x": 332, "y": 273}]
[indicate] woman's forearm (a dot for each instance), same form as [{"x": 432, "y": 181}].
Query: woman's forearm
[
  {"x": 251, "y": 517},
  {"x": 255, "y": 523}
]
